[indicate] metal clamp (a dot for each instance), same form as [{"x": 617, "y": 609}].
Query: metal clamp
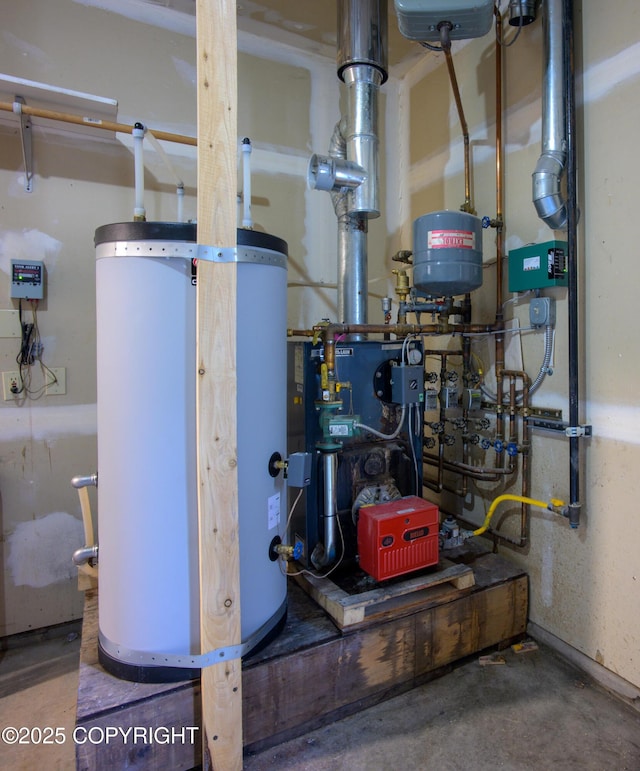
[
  {"x": 240, "y": 254},
  {"x": 574, "y": 432},
  {"x": 186, "y": 661},
  {"x": 217, "y": 253}
]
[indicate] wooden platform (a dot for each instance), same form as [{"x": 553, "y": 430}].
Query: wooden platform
[
  {"x": 311, "y": 674},
  {"x": 353, "y": 609}
]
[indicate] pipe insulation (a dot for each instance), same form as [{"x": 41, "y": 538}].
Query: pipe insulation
[{"x": 548, "y": 199}]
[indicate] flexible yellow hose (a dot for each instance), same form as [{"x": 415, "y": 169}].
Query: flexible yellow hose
[{"x": 554, "y": 503}]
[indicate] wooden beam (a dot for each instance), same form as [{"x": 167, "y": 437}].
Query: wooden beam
[{"x": 216, "y": 383}]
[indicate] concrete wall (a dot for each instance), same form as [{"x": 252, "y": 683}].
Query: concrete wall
[
  {"x": 288, "y": 105},
  {"x": 585, "y": 583}
]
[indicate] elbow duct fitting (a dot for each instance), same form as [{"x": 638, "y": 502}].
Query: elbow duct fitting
[
  {"x": 547, "y": 198},
  {"x": 334, "y": 174},
  {"x": 85, "y": 554}
]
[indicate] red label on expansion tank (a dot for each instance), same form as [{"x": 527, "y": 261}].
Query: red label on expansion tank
[{"x": 451, "y": 239}]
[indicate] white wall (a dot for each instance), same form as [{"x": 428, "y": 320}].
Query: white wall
[
  {"x": 585, "y": 584},
  {"x": 288, "y": 105}
]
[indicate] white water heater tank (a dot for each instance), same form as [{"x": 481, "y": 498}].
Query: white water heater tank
[{"x": 149, "y": 603}]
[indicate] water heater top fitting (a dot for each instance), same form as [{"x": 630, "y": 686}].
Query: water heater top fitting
[{"x": 420, "y": 19}]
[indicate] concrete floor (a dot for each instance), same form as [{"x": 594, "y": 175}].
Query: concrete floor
[{"x": 533, "y": 712}]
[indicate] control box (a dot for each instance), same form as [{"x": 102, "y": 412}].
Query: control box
[
  {"x": 538, "y": 266},
  {"x": 27, "y": 279},
  {"x": 398, "y": 537},
  {"x": 407, "y": 384}
]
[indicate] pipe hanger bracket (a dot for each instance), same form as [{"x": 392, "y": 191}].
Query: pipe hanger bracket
[{"x": 577, "y": 432}]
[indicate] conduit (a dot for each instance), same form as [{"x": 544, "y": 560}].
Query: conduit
[{"x": 572, "y": 265}]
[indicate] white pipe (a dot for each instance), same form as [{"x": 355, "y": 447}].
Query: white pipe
[
  {"x": 180, "y": 194},
  {"x": 138, "y": 160},
  {"x": 178, "y": 179},
  {"x": 247, "y": 221}
]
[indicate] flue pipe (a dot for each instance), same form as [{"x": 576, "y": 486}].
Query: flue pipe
[
  {"x": 547, "y": 197},
  {"x": 362, "y": 66}
]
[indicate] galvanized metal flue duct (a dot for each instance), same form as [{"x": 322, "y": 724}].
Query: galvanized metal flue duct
[{"x": 547, "y": 196}]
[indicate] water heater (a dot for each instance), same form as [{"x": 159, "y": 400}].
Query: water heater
[{"x": 149, "y": 599}]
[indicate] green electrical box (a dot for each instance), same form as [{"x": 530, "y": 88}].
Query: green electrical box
[{"x": 538, "y": 266}]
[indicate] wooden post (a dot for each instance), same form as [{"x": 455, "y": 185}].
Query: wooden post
[{"x": 216, "y": 389}]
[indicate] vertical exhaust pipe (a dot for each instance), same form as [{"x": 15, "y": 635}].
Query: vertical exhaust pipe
[
  {"x": 362, "y": 66},
  {"x": 351, "y": 170},
  {"x": 547, "y": 197}
]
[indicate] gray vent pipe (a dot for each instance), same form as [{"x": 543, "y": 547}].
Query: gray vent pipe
[
  {"x": 547, "y": 198},
  {"x": 362, "y": 66}
]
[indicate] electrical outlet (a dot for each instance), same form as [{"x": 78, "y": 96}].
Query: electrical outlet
[
  {"x": 59, "y": 387},
  {"x": 10, "y": 385}
]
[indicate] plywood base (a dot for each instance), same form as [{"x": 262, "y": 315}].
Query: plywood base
[
  {"x": 310, "y": 675},
  {"x": 389, "y": 599}
]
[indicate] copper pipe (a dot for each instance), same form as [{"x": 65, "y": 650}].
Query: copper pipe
[
  {"x": 461, "y": 329},
  {"x": 401, "y": 330},
  {"x": 499, "y": 170},
  {"x": 513, "y": 437},
  {"x": 105, "y": 125},
  {"x": 446, "y": 47},
  {"x": 439, "y": 461},
  {"x": 476, "y": 472},
  {"x": 524, "y": 448},
  {"x": 330, "y": 356},
  {"x": 526, "y": 467}
]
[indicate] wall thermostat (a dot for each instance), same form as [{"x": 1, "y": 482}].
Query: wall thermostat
[{"x": 27, "y": 279}]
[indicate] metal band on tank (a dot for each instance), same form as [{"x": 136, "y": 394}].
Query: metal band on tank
[
  {"x": 189, "y": 251},
  {"x": 242, "y": 254},
  {"x": 186, "y": 661}
]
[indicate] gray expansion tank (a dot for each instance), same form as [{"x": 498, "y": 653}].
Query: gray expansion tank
[{"x": 447, "y": 253}]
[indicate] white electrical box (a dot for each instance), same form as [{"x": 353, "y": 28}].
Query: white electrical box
[
  {"x": 420, "y": 19},
  {"x": 27, "y": 279}
]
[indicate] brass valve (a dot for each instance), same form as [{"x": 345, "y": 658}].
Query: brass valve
[{"x": 402, "y": 287}]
